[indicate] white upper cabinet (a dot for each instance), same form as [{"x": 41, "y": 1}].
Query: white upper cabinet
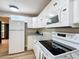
[
  {"x": 65, "y": 14},
  {"x": 35, "y": 22},
  {"x": 76, "y": 12},
  {"x": 40, "y": 23},
  {"x": 59, "y": 13},
  {"x": 29, "y": 22}
]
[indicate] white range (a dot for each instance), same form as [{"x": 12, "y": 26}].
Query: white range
[{"x": 61, "y": 46}]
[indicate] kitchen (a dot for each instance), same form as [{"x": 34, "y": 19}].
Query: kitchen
[{"x": 51, "y": 34}]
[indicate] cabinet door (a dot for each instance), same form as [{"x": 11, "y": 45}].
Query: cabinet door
[
  {"x": 76, "y": 11},
  {"x": 37, "y": 22},
  {"x": 34, "y": 22},
  {"x": 40, "y": 23},
  {"x": 30, "y": 40},
  {"x": 29, "y": 22},
  {"x": 36, "y": 50},
  {"x": 64, "y": 14}
]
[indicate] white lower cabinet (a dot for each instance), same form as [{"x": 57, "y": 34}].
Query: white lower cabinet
[
  {"x": 36, "y": 50},
  {"x": 32, "y": 43},
  {"x": 29, "y": 42}
]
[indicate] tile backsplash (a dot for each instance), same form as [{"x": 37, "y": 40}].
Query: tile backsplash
[
  {"x": 47, "y": 35},
  {"x": 67, "y": 30}
]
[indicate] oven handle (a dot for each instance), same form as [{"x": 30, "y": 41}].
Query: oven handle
[{"x": 71, "y": 56}]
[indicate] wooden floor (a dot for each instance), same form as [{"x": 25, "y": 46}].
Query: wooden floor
[
  {"x": 4, "y": 47},
  {"x": 25, "y": 55},
  {"x": 4, "y": 53}
]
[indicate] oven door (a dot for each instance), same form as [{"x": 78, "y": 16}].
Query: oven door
[
  {"x": 42, "y": 55},
  {"x": 53, "y": 20},
  {"x": 47, "y": 57}
]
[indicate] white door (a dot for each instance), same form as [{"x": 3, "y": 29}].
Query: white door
[{"x": 16, "y": 38}]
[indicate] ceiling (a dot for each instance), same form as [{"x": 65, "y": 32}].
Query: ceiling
[{"x": 27, "y": 7}]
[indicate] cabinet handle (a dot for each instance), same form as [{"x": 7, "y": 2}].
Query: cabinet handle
[
  {"x": 64, "y": 9},
  {"x": 55, "y": 4}
]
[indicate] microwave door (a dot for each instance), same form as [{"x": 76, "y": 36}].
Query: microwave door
[{"x": 54, "y": 19}]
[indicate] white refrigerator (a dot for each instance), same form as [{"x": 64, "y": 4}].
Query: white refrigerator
[{"x": 16, "y": 36}]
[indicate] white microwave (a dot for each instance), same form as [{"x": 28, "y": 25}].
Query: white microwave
[{"x": 63, "y": 16}]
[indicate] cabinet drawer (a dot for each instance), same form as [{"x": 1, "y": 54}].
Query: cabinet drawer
[
  {"x": 75, "y": 55},
  {"x": 65, "y": 57}
]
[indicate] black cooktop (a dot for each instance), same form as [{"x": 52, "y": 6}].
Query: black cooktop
[{"x": 55, "y": 47}]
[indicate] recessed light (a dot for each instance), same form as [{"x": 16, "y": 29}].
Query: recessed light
[{"x": 14, "y": 8}]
